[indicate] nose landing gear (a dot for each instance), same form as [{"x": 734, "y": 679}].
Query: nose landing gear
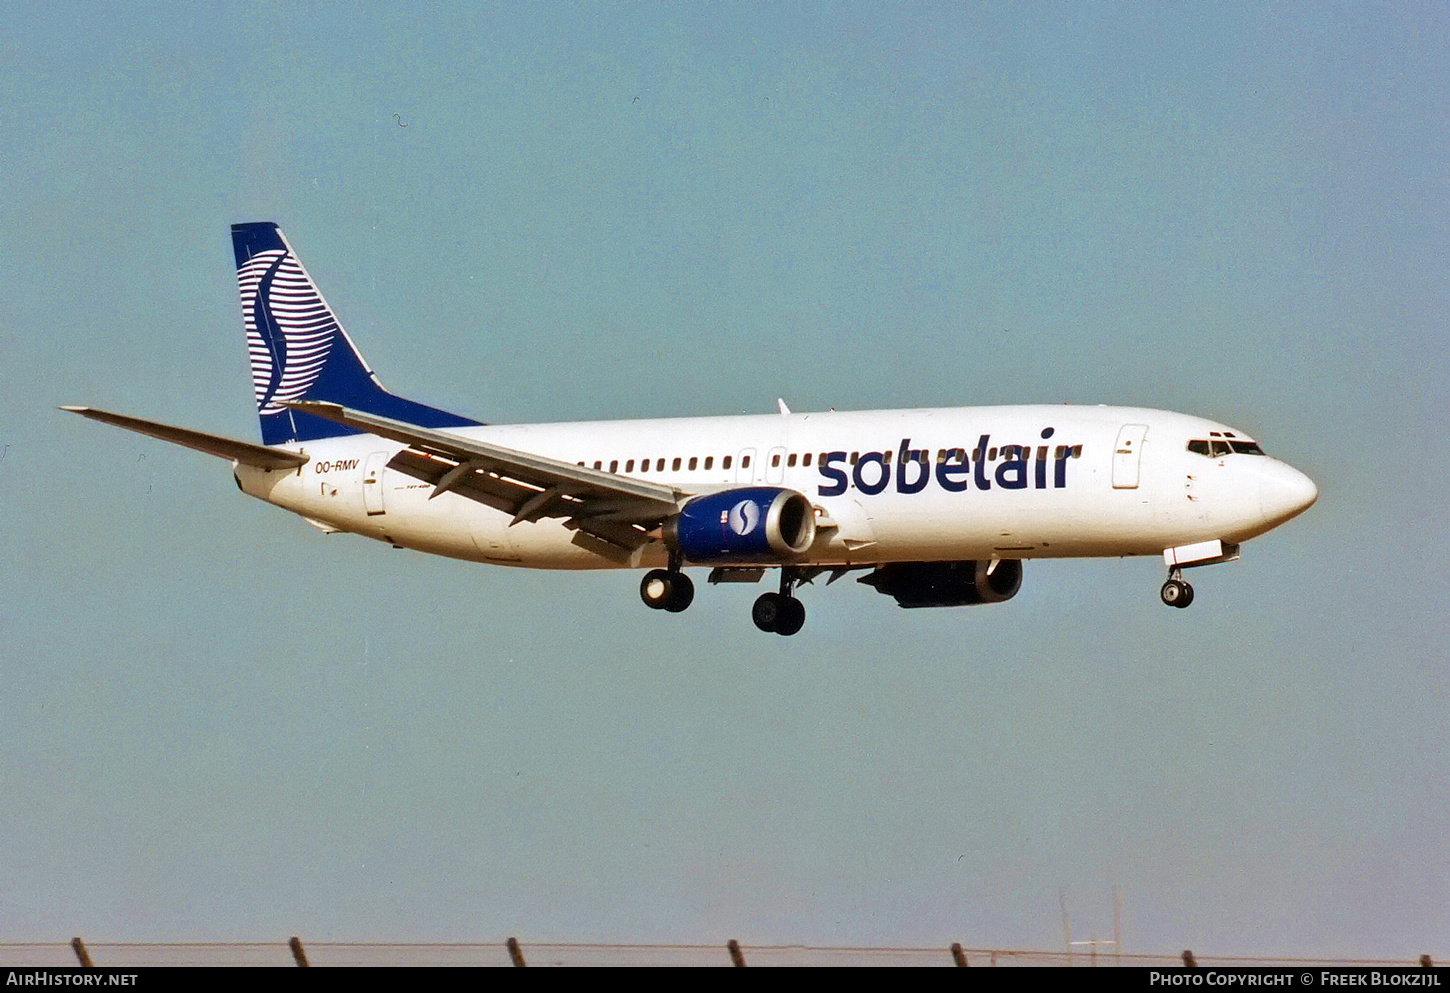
[{"x": 1175, "y": 592}]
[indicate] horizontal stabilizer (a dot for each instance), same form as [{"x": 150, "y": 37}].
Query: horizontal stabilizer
[{"x": 226, "y": 448}]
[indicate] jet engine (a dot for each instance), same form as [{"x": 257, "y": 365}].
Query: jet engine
[
  {"x": 947, "y": 584},
  {"x": 747, "y": 524}
]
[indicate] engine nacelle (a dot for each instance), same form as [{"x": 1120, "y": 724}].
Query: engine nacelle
[
  {"x": 748, "y": 524},
  {"x": 947, "y": 584}
]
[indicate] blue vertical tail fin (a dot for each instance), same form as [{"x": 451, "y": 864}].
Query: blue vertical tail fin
[{"x": 299, "y": 350}]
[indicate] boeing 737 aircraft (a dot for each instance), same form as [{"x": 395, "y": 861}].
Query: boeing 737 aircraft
[{"x": 941, "y": 505}]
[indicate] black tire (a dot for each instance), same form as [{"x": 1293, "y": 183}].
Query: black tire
[
  {"x": 683, "y": 593},
  {"x": 657, "y": 587},
  {"x": 792, "y": 617},
  {"x": 1187, "y": 596},
  {"x": 767, "y": 611}
]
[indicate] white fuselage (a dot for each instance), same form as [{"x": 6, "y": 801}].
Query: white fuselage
[{"x": 1104, "y": 481}]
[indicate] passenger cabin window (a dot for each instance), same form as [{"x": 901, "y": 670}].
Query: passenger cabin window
[
  {"x": 790, "y": 462},
  {"x": 744, "y": 462},
  {"x": 709, "y": 461},
  {"x": 774, "y": 461},
  {"x": 807, "y": 460},
  {"x": 599, "y": 465},
  {"x": 660, "y": 465},
  {"x": 694, "y": 461},
  {"x": 675, "y": 465},
  {"x": 725, "y": 462}
]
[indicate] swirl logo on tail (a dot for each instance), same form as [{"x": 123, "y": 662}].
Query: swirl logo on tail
[{"x": 290, "y": 330}]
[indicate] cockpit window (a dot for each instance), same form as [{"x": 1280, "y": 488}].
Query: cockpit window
[{"x": 1217, "y": 448}]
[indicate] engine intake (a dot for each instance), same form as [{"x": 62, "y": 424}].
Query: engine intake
[
  {"x": 947, "y": 584},
  {"x": 748, "y": 524}
]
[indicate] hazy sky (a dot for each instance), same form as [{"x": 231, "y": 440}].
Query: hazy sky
[{"x": 218, "y": 723}]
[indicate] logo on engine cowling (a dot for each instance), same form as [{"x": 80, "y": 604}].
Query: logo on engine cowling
[{"x": 744, "y": 516}]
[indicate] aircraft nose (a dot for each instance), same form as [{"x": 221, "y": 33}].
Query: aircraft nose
[{"x": 1285, "y": 492}]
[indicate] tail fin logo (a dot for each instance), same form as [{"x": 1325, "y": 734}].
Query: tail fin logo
[
  {"x": 290, "y": 329},
  {"x": 298, "y": 350}
]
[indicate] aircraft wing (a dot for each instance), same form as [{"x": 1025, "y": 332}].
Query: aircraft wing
[
  {"x": 618, "y": 510},
  {"x": 226, "y": 448}
]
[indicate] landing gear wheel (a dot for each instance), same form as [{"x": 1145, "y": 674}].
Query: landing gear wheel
[
  {"x": 682, "y": 595},
  {"x": 1176, "y": 593},
  {"x": 767, "y": 611},
  {"x": 658, "y": 587},
  {"x": 778, "y": 613},
  {"x": 792, "y": 617}
]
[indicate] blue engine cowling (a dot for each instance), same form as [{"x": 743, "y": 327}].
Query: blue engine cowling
[{"x": 748, "y": 524}]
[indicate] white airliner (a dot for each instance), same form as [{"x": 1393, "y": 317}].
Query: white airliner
[{"x": 940, "y": 505}]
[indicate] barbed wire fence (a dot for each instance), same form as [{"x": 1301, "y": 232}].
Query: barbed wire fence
[{"x": 62, "y": 954}]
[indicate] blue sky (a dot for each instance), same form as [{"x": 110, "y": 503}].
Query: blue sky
[{"x": 217, "y": 723}]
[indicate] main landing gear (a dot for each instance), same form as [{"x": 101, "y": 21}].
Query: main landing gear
[
  {"x": 781, "y": 612},
  {"x": 666, "y": 589},
  {"x": 1175, "y": 592}
]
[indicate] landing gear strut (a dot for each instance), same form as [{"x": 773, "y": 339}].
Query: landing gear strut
[
  {"x": 1175, "y": 592},
  {"x": 667, "y": 589},
  {"x": 781, "y": 612}
]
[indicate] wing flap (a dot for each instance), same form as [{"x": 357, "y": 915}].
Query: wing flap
[{"x": 618, "y": 510}]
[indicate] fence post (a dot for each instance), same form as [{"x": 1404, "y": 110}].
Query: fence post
[
  {"x": 1188, "y": 961},
  {"x": 516, "y": 954},
  {"x": 298, "y": 955},
  {"x": 79, "y": 947},
  {"x": 959, "y": 956},
  {"x": 736, "y": 959},
  {"x": 1425, "y": 961}
]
